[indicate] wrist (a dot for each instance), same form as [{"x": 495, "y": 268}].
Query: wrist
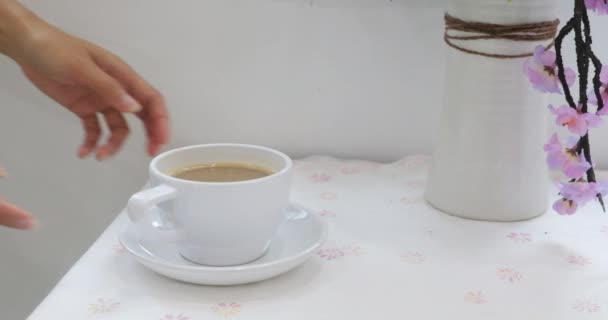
[{"x": 17, "y": 25}]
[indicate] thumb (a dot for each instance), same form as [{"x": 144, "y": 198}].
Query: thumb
[
  {"x": 14, "y": 217},
  {"x": 110, "y": 90}
]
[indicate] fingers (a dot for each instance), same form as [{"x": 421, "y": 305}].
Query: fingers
[
  {"x": 14, "y": 217},
  {"x": 154, "y": 113},
  {"x": 119, "y": 130},
  {"x": 92, "y": 133},
  {"x": 156, "y": 122},
  {"x": 109, "y": 89}
]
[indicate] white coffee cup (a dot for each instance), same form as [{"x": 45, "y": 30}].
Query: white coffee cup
[{"x": 217, "y": 223}]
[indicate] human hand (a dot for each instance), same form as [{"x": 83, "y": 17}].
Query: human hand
[
  {"x": 86, "y": 79},
  {"x": 92, "y": 83},
  {"x": 12, "y": 216}
]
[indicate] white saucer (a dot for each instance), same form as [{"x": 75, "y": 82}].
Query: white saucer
[{"x": 298, "y": 238}]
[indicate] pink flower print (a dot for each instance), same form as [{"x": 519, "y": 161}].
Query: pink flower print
[
  {"x": 175, "y": 317},
  {"x": 118, "y": 248},
  {"x": 586, "y": 305},
  {"x": 520, "y": 237},
  {"x": 407, "y": 200},
  {"x": 541, "y": 70},
  {"x": 353, "y": 250},
  {"x": 598, "y": 6},
  {"x": 413, "y": 257},
  {"x": 351, "y": 170},
  {"x": 334, "y": 253},
  {"x": 576, "y": 121},
  {"x": 475, "y": 297},
  {"x": 330, "y": 253},
  {"x": 328, "y": 196},
  {"x": 103, "y": 305},
  {"x": 508, "y": 274},
  {"x": 327, "y": 214},
  {"x": 226, "y": 310},
  {"x": 578, "y": 260}
]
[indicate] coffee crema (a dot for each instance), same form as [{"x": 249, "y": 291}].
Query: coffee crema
[{"x": 221, "y": 172}]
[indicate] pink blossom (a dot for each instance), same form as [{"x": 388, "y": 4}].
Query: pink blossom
[
  {"x": 575, "y": 194},
  {"x": 565, "y": 207},
  {"x": 331, "y": 253},
  {"x": 579, "y": 192},
  {"x": 598, "y": 6},
  {"x": 541, "y": 70},
  {"x": 576, "y": 121},
  {"x": 558, "y": 157}
]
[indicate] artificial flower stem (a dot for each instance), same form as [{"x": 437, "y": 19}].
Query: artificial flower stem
[{"x": 561, "y": 73}]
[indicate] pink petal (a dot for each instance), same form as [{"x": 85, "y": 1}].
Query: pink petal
[
  {"x": 578, "y": 126},
  {"x": 541, "y": 80},
  {"x": 554, "y": 145},
  {"x": 576, "y": 169},
  {"x": 564, "y": 207},
  {"x": 556, "y": 160},
  {"x": 604, "y": 75},
  {"x": 566, "y": 111},
  {"x": 548, "y": 58},
  {"x": 570, "y": 76},
  {"x": 539, "y": 52},
  {"x": 592, "y": 98},
  {"x": 602, "y": 187},
  {"x": 604, "y": 110},
  {"x": 565, "y": 115},
  {"x": 593, "y": 120},
  {"x": 579, "y": 192}
]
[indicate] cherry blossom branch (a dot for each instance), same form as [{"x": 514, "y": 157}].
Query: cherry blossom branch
[
  {"x": 587, "y": 52},
  {"x": 547, "y": 73},
  {"x": 559, "y": 60}
]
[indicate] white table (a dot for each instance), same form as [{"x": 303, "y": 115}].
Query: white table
[{"x": 389, "y": 256}]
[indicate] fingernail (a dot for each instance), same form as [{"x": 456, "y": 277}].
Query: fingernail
[
  {"x": 26, "y": 224},
  {"x": 130, "y": 104},
  {"x": 83, "y": 153},
  {"x": 102, "y": 156}
]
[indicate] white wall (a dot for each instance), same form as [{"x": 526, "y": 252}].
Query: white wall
[{"x": 352, "y": 78}]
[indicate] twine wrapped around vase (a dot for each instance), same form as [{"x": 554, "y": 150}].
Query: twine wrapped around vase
[{"x": 532, "y": 32}]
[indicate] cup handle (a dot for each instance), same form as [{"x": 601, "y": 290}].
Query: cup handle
[{"x": 141, "y": 203}]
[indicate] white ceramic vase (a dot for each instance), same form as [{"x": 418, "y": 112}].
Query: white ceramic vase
[{"x": 489, "y": 162}]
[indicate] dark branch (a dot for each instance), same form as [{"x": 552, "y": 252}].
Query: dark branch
[{"x": 561, "y": 74}]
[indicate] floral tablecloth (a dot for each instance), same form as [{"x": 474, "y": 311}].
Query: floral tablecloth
[{"x": 389, "y": 256}]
